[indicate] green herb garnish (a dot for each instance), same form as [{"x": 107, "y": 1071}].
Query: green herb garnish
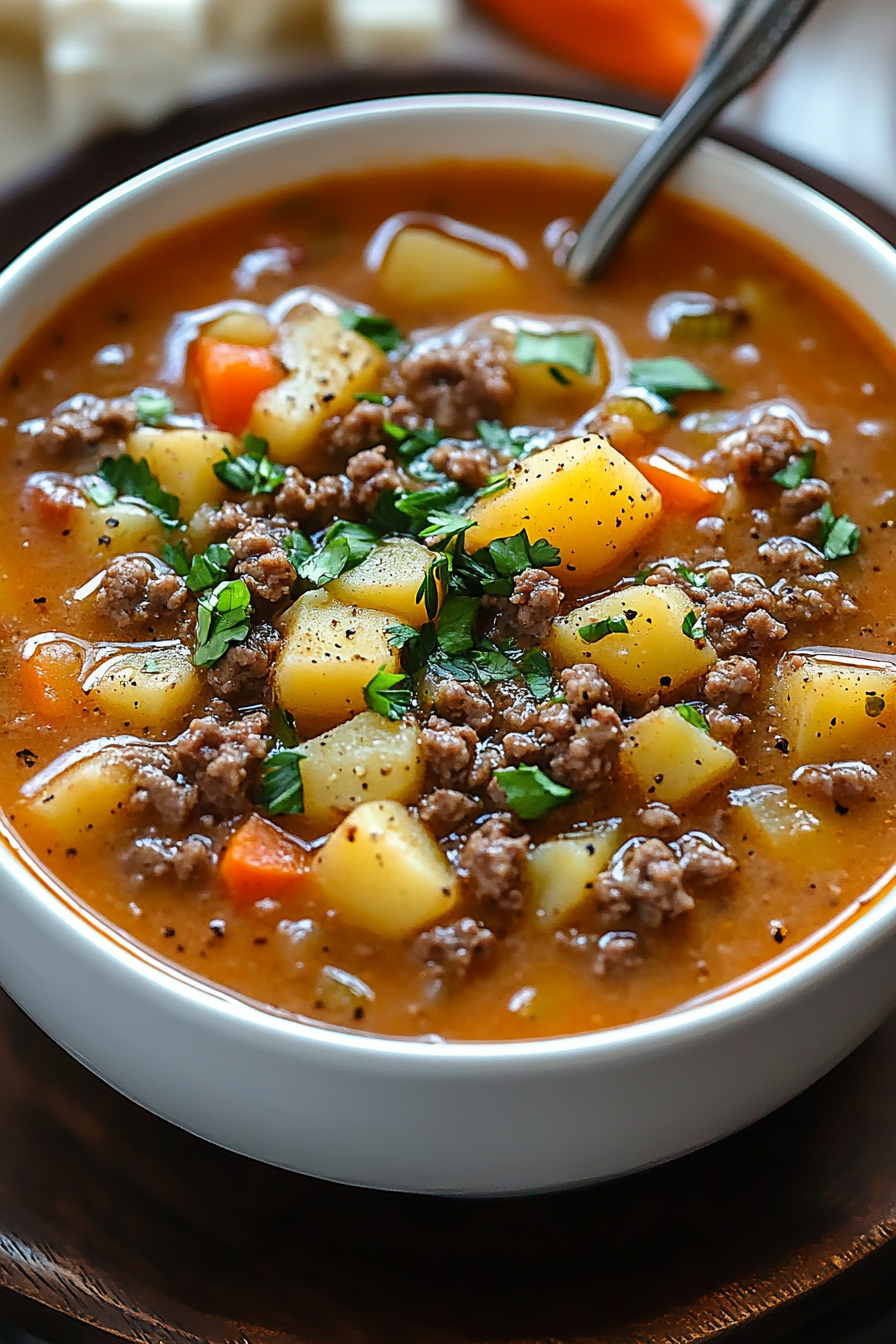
[
  {"x": 530, "y": 793},
  {"x": 153, "y": 408},
  {"x": 209, "y": 568},
  {"x": 496, "y": 484},
  {"x": 379, "y": 330},
  {"x": 839, "y": 537},
  {"x": 343, "y": 548},
  {"x": 511, "y": 555},
  {"x": 796, "y": 471},
  {"x": 437, "y": 575},
  {"x": 692, "y": 716},
  {"x": 253, "y": 472},
  {"x": 495, "y": 436},
  {"x": 693, "y": 627},
  {"x": 670, "y": 376},
  {"x": 152, "y": 666},
  {"x": 130, "y": 479},
  {"x": 446, "y": 525},
  {"x": 492, "y": 663},
  {"x": 281, "y": 793},
  {"x": 371, "y": 396},
  {"x": 595, "y": 631},
  {"x": 283, "y": 726},
  {"x": 559, "y": 377},
  {"x": 177, "y": 558},
  {"x": 568, "y": 349},
  {"x": 389, "y": 694},
  {"x": 297, "y": 547},
  {"x": 536, "y": 668},
  {"x": 456, "y": 620},
  {"x": 410, "y": 443},
  {"x": 222, "y": 620}
]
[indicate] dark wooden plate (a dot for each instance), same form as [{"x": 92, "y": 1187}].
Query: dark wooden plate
[{"x": 113, "y": 1220}]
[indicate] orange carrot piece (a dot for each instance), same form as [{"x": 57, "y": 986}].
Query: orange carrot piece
[
  {"x": 652, "y": 44},
  {"x": 681, "y": 492},
  {"x": 50, "y": 680},
  {"x": 230, "y": 377},
  {"x": 261, "y": 862}
]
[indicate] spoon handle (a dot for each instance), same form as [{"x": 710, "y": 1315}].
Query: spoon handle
[{"x": 753, "y": 34}]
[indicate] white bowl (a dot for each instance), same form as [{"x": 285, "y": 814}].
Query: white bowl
[{"x": 403, "y": 1114}]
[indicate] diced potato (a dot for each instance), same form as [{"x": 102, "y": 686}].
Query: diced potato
[
  {"x": 330, "y": 653},
  {"x": 836, "y": 708},
  {"x": 582, "y": 496},
  {"x": 149, "y": 690},
  {"x": 182, "y": 460},
  {"x": 549, "y": 393},
  {"x": 672, "y": 760},
  {"x": 389, "y": 579},
  {"x": 654, "y": 655},
  {"x": 382, "y": 870},
  {"x": 367, "y": 759},
  {"x": 242, "y": 329},
  {"x": 562, "y": 871},
  {"x": 78, "y": 797},
  {"x": 425, "y": 267},
  {"x": 120, "y": 528},
  {"x": 768, "y": 816},
  {"x": 328, "y": 364}
]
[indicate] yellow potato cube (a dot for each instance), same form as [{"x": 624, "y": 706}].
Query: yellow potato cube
[
  {"x": 328, "y": 365},
  {"x": 654, "y": 654},
  {"x": 242, "y": 329},
  {"x": 121, "y": 528},
  {"x": 382, "y": 870},
  {"x": 148, "y": 690},
  {"x": 367, "y": 759},
  {"x": 673, "y": 761},
  {"x": 389, "y": 579},
  {"x": 768, "y": 815},
  {"x": 331, "y": 651},
  {"x": 182, "y": 461},
  {"x": 582, "y": 496},
  {"x": 836, "y": 707},
  {"x": 425, "y": 267},
  {"x": 562, "y": 871},
  {"x": 79, "y": 797}
]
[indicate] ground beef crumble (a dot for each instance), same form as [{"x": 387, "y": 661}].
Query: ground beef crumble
[
  {"x": 494, "y": 862},
  {"x": 456, "y": 386},
  {"x": 759, "y": 449},
  {"x": 154, "y": 856},
  {"x": 469, "y": 465},
  {"x": 83, "y": 421},
  {"x": 463, "y": 702},
  {"x": 446, "y": 810},
  {"x": 222, "y": 761},
  {"x": 362, "y": 427},
  {"x": 658, "y": 819},
  {"x": 245, "y": 668},
  {"x": 730, "y": 679},
  {"x": 647, "y": 877},
  {"x": 452, "y": 951},
  {"x": 845, "y": 783},
  {"x": 136, "y": 589},
  {"x": 262, "y": 562}
]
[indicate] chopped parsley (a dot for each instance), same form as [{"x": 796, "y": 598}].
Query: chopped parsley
[
  {"x": 492, "y": 663},
  {"x": 568, "y": 349},
  {"x": 446, "y": 525},
  {"x": 343, "y": 548},
  {"x": 177, "y": 558},
  {"x": 559, "y": 377},
  {"x": 152, "y": 666},
  {"x": 252, "y": 472},
  {"x": 410, "y": 443},
  {"x": 126, "y": 478},
  {"x": 536, "y": 669},
  {"x": 281, "y": 793},
  {"x": 689, "y": 575},
  {"x": 223, "y": 619},
  {"x": 389, "y": 694},
  {"x": 670, "y": 376},
  {"x": 429, "y": 592},
  {"x": 840, "y": 537},
  {"x": 153, "y": 408},
  {"x": 693, "y": 717},
  {"x": 693, "y": 627},
  {"x": 530, "y": 793},
  {"x": 496, "y": 484},
  {"x": 516, "y": 442},
  {"x": 209, "y": 568},
  {"x": 595, "y": 631},
  {"x": 511, "y": 555},
  {"x": 371, "y": 396},
  {"x": 456, "y": 621},
  {"x": 797, "y": 470},
  {"x": 379, "y": 330},
  {"x": 297, "y": 547},
  {"x": 495, "y": 436},
  {"x": 493, "y": 568},
  {"x": 283, "y": 726}
]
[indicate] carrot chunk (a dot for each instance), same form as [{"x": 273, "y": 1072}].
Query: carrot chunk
[
  {"x": 50, "y": 680},
  {"x": 262, "y": 862},
  {"x": 230, "y": 377},
  {"x": 681, "y": 492}
]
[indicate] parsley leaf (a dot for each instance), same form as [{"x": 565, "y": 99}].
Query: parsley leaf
[
  {"x": 570, "y": 349},
  {"x": 153, "y": 408},
  {"x": 281, "y": 793},
  {"x": 429, "y": 592},
  {"x": 559, "y": 377},
  {"x": 693, "y": 627},
  {"x": 419, "y": 504},
  {"x": 495, "y": 436},
  {"x": 692, "y": 716},
  {"x": 530, "y": 793},
  {"x": 389, "y": 694},
  {"x": 222, "y": 621},
  {"x": 446, "y": 525},
  {"x": 595, "y": 631},
  {"x": 379, "y": 330},
  {"x": 536, "y": 668},
  {"x": 297, "y": 547},
  {"x": 492, "y": 663},
  {"x": 344, "y": 547},
  {"x": 152, "y": 666},
  {"x": 511, "y": 555},
  {"x": 209, "y": 568},
  {"x": 496, "y": 484},
  {"x": 410, "y": 443},
  {"x": 840, "y": 537},
  {"x": 670, "y": 375},
  {"x": 132, "y": 479},
  {"x": 456, "y": 621},
  {"x": 371, "y": 396},
  {"x": 796, "y": 471},
  {"x": 177, "y": 558},
  {"x": 252, "y": 472},
  {"x": 283, "y": 726}
]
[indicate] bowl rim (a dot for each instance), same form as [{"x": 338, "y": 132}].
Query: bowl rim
[{"x": 852, "y": 933}]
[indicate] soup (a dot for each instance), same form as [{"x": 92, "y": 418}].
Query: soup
[{"x": 406, "y": 641}]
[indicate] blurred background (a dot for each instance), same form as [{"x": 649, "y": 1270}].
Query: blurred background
[{"x": 71, "y": 69}]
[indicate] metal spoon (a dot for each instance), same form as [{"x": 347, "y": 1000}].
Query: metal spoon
[{"x": 754, "y": 33}]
